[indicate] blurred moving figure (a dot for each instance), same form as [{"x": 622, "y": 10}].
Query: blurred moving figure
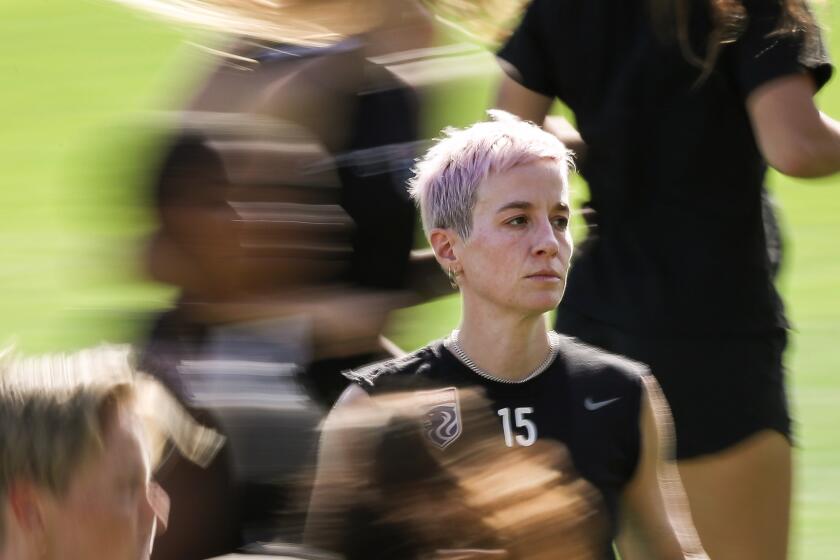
[
  {"x": 495, "y": 205},
  {"x": 362, "y": 124},
  {"x": 286, "y": 226},
  {"x": 260, "y": 251},
  {"x": 680, "y": 107},
  {"x": 79, "y": 441}
]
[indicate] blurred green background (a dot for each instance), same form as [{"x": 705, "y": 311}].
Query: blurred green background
[{"x": 76, "y": 79}]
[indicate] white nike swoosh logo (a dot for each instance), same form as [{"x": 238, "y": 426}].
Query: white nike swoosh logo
[{"x": 589, "y": 404}]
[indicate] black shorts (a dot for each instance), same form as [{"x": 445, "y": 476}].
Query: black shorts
[{"x": 721, "y": 388}]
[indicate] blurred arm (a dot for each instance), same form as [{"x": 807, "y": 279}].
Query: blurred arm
[
  {"x": 792, "y": 134},
  {"x": 526, "y": 104},
  {"x": 568, "y": 134},
  {"x": 656, "y": 522},
  {"x": 344, "y": 320},
  {"x": 334, "y": 487},
  {"x": 532, "y": 106}
]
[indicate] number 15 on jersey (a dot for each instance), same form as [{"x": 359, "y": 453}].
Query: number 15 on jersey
[{"x": 519, "y": 421}]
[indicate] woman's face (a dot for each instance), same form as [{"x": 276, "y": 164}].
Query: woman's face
[
  {"x": 517, "y": 255},
  {"x": 108, "y": 510}
]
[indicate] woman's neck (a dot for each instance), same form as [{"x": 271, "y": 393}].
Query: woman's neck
[{"x": 507, "y": 346}]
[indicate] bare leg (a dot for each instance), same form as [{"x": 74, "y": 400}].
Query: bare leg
[{"x": 740, "y": 498}]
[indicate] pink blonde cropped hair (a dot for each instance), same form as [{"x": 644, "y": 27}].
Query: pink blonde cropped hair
[{"x": 446, "y": 179}]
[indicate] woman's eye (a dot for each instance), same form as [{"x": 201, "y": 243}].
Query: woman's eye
[
  {"x": 561, "y": 222},
  {"x": 517, "y": 221}
]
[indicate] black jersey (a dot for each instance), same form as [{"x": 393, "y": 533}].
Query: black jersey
[
  {"x": 674, "y": 171},
  {"x": 586, "y": 399}
]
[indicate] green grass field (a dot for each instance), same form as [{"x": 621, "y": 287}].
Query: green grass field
[{"x": 76, "y": 78}]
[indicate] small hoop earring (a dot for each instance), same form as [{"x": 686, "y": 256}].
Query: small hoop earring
[{"x": 453, "y": 278}]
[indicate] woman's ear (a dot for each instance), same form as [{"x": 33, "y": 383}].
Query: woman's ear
[
  {"x": 26, "y": 505},
  {"x": 443, "y": 244}
]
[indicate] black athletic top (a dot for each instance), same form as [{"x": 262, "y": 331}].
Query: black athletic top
[
  {"x": 673, "y": 168},
  {"x": 587, "y": 399}
]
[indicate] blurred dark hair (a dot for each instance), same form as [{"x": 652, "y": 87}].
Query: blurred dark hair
[
  {"x": 729, "y": 19},
  {"x": 187, "y": 166}
]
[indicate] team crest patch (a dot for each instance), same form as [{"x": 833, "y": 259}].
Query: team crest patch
[{"x": 442, "y": 420}]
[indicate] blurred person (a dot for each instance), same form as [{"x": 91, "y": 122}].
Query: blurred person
[
  {"x": 287, "y": 229},
  {"x": 255, "y": 255},
  {"x": 365, "y": 124},
  {"x": 78, "y": 445},
  {"x": 680, "y": 107},
  {"x": 495, "y": 206}
]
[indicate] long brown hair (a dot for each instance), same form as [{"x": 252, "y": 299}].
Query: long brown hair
[
  {"x": 478, "y": 499},
  {"x": 729, "y": 18}
]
